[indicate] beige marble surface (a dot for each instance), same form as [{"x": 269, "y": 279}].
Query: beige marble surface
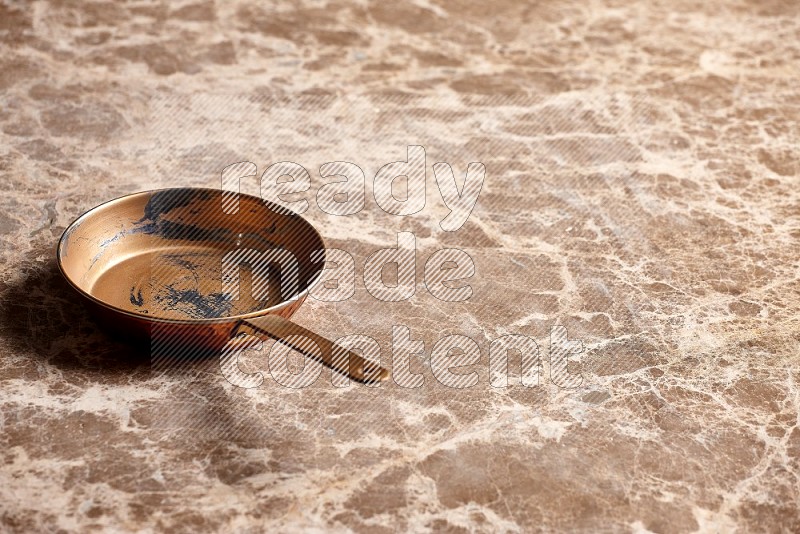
[{"x": 642, "y": 191}]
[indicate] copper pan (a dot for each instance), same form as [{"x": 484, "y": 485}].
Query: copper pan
[{"x": 150, "y": 266}]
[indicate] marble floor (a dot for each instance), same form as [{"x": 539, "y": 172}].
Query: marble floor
[{"x": 641, "y": 197}]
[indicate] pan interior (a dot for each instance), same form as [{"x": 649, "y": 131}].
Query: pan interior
[{"x": 162, "y": 254}]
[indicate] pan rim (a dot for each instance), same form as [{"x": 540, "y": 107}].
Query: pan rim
[{"x": 198, "y": 321}]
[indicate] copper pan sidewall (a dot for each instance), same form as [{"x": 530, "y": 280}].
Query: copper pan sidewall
[{"x": 202, "y": 336}]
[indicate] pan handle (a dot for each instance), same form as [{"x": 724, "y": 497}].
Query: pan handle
[{"x": 296, "y": 337}]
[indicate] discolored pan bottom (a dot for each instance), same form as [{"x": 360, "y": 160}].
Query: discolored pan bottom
[{"x": 179, "y": 283}]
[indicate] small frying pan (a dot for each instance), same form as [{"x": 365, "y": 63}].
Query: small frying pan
[{"x": 155, "y": 265}]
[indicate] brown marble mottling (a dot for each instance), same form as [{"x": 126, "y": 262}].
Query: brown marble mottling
[{"x": 642, "y": 190}]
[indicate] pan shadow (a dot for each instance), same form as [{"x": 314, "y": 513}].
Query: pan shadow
[
  {"x": 43, "y": 316},
  {"x": 44, "y": 324}
]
